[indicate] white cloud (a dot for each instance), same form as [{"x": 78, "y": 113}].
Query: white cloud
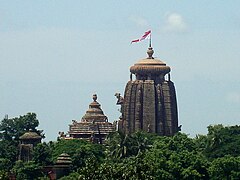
[
  {"x": 175, "y": 23},
  {"x": 140, "y": 21},
  {"x": 233, "y": 97}
]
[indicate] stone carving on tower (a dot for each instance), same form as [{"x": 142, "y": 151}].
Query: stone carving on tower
[
  {"x": 120, "y": 101},
  {"x": 150, "y": 100}
]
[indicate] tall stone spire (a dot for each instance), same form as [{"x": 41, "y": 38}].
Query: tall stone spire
[{"x": 150, "y": 100}]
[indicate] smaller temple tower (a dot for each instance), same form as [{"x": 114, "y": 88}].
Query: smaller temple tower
[
  {"x": 62, "y": 165},
  {"x": 94, "y": 125},
  {"x": 27, "y": 142}
]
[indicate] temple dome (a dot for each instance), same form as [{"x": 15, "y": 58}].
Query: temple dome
[
  {"x": 150, "y": 65},
  {"x": 29, "y": 136}
]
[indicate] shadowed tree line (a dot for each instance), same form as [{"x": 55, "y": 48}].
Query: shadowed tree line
[{"x": 136, "y": 156}]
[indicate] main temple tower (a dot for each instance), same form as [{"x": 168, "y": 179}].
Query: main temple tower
[{"x": 149, "y": 102}]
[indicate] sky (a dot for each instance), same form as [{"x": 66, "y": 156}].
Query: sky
[{"x": 54, "y": 55}]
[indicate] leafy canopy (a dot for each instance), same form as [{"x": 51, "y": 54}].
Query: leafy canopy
[{"x": 12, "y": 129}]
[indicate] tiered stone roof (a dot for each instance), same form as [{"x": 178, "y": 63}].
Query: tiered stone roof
[
  {"x": 94, "y": 124},
  {"x": 64, "y": 159}
]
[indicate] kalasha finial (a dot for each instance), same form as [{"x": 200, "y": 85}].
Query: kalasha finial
[
  {"x": 150, "y": 53},
  {"x": 94, "y": 97}
]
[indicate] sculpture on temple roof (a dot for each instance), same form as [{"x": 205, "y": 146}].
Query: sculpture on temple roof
[
  {"x": 61, "y": 134},
  {"x": 74, "y": 121},
  {"x": 120, "y": 101}
]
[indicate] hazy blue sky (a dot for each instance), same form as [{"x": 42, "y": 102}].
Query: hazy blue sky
[{"x": 55, "y": 54}]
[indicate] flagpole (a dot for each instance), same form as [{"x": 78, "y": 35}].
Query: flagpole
[{"x": 150, "y": 40}]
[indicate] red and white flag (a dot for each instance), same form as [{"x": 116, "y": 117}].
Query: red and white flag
[{"x": 146, "y": 35}]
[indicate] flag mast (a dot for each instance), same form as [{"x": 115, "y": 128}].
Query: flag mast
[{"x": 150, "y": 40}]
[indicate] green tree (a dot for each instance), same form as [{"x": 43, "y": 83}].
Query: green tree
[
  {"x": 140, "y": 142},
  {"x": 12, "y": 129},
  {"x": 72, "y": 176},
  {"x": 127, "y": 168},
  {"x": 176, "y": 158},
  {"x": 201, "y": 142},
  {"x": 148, "y": 157},
  {"x": 29, "y": 170},
  {"x": 85, "y": 152},
  {"x": 121, "y": 146},
  {"x": 221, "y": 141},
  {"x": 42, "y": 154},
  {"x": 118, "y": 145},
  {"x": 5, "y": 166},
  {"x": 4, "y": 175},
  {"x": 226, "y": 167},
  {"x": 188, "y": 165},
  {"x": 9, "y": 150},
  {"x": 69, "y": 146}
]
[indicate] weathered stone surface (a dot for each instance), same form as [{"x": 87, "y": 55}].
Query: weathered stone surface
[
  {"x": 150, "y": 100},
  {"x": 149, "y": 106},
  {"x": 27, "y": 143},
  {"x": 94, "y": 125},
  {"x": 139, "y": 106}
]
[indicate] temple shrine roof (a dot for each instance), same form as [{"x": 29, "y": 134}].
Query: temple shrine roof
[
  {"x": 64, "y": 159},
  {"x": 150, "y": 65},
  {"x": 94, "y": 113},
  {"x": 30, "y": 135},
  {"x": 93, "y": 122}
]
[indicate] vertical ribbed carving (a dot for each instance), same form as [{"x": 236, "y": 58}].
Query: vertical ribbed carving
[
  {"x": 132, "y": 107},
  {"x": 149, "y": 106},
  {"x": 150, "y": 101},
  {"x": 159, "y": 111},
  {"x": 167, "y": 109},
  {"x": 126, "y": 107},
  {"x": 138, "y": 111},
  {"x": 173, "y": 107}
]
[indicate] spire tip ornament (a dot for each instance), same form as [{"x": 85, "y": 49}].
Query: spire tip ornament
[
  {"x": 150, "y": 53},
  {"x": 94, "y": 97}
]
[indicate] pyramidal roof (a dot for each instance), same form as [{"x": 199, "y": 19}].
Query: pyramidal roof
[{"x": 94, "y": 113}]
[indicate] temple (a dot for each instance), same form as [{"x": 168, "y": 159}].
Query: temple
[
  {"x": 149, "y": 103},
  {"x": 94, "y": 125},
  {"x": 27, "y": 143}
]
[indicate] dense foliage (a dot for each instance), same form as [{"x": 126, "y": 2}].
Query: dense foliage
[
  {"x": 148, "y": 156},
  {"x": 136, "y": 156},
  {"x": 12, "y": 129}
]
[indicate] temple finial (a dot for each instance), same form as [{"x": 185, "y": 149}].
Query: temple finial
[
  {"x": 94, "y": 97},
  {"x": 150, "y": 53}
]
